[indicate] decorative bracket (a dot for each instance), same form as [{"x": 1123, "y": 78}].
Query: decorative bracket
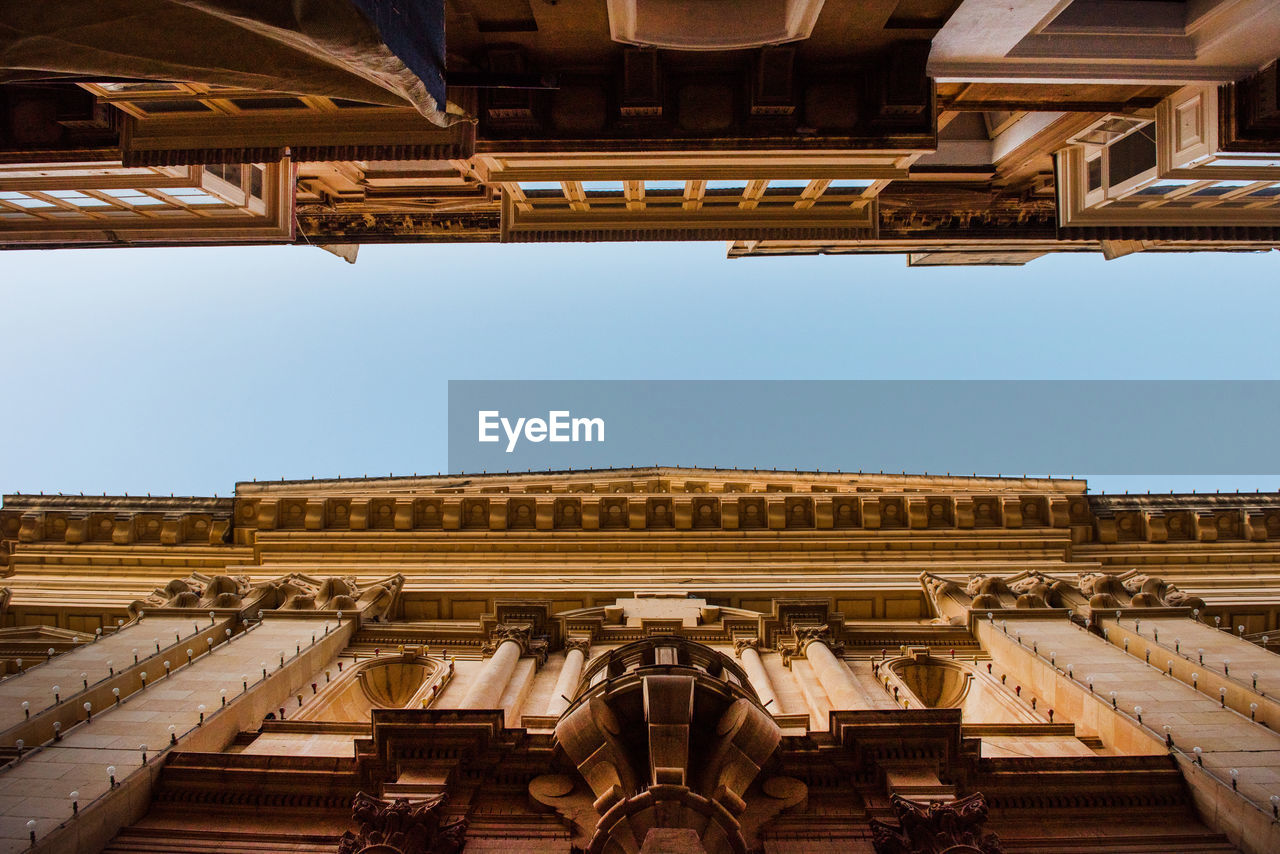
[
  {"x": 936, "y": 827},
  {"x": 402, "y": 827}
]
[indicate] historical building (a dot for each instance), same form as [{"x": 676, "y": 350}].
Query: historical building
[
  {"x": 954, "y": 131},
  {"x": 641, "y": 660}
]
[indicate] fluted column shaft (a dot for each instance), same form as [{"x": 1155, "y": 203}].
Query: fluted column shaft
[
  {"x": 567, "y": 682},
  {"x": 752, "y": 663},
  {"x": 486, "y": 692},
  {"x": 834, "y": 676}
]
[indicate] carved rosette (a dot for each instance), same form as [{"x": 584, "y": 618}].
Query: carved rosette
[
  {"x": 954, "y": 827},
  {"x": 402, "y": 827}
]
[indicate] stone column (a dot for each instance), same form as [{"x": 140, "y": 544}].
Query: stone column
[
  {"x": 575, "y": 655},
  {"x": 508, "y": 644},
  {"x": 814, "y": 642},
  {"x": 749, "y": 653}
]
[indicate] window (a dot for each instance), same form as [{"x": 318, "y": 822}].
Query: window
[
  {"x": 236, "y": 184},
  {"x": 1130, "y": 156},
  {"x": 1095, "y": 173}
]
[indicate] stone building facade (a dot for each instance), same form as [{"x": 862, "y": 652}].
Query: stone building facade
[{"x": 642, "y": 660}]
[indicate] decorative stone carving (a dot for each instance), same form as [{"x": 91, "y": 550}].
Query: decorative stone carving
[
  {"x": 1150, "y": 591},
  {"x": 739, "y": 644},
  {"x": 295, "y": 592},
  {"x": 202, "y": 591},
  {"x": 987, "y": 591},
  {"x": 1134, "y": 590},
  {"x": 1092, "y": 590},
  {"x": 688, "y": 711},
  {"x": 521, "y": 634},
  {"x": 583, "y": 645},
  {"x": 805, "y": 635},
  {"x": 1036, "y": 590},
  {"x": 953, "y": 827},
  {"x": 402, "y": 827}
]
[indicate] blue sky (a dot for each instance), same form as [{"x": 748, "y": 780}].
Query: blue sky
[{"x": 185, "y": 370}]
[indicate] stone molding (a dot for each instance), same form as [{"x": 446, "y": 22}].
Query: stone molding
[{"x": 669, "y": 500}]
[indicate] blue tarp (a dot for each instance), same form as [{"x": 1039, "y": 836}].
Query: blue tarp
[{"x": 414, "y": 31}]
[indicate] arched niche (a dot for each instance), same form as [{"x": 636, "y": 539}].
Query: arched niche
[
  {"x": 936, "y": 683},
  {"x": 405, "y": 681}
]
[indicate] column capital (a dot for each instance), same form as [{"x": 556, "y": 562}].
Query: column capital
[
  {"x": 582, "y": 645},
  {"x": 739, "y": 644},
  {"x": 804, "y": 636},
  {"x": 519, "y": 633}
]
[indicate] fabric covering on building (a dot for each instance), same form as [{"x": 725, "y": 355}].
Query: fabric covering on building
[{"x": 334, "y": 48}]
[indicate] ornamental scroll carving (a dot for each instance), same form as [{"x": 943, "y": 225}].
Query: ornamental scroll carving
[
  {"x": 402, "y": 827},
  {"x": 954, "y": 827}
]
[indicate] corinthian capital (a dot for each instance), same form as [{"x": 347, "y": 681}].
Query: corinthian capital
[
  {"x": 521, "y": 634},
  {"x": 806, "y": 635},
  {"x": 582, "y": 645},
  {"x": 739, "y": 644}
]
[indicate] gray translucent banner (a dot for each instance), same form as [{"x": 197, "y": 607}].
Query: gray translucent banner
[{"x": 1167, "y": 427}]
